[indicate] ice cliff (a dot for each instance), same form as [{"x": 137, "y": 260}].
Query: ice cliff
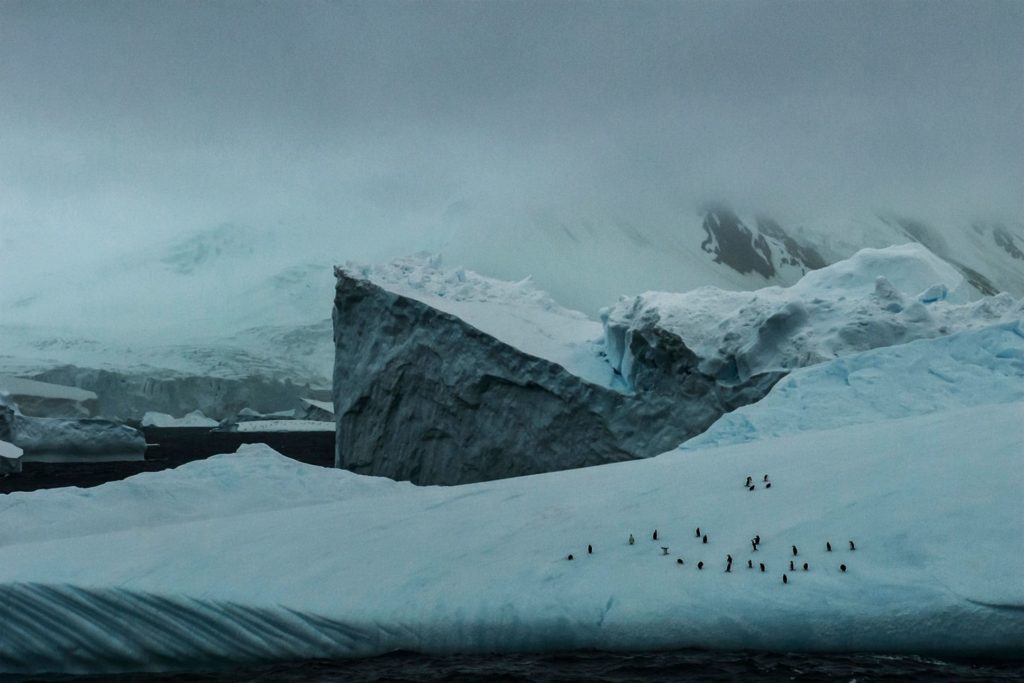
[{"x": 446, "y": 376}]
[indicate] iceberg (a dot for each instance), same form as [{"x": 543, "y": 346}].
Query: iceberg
[{"x": 145, "y": 574}]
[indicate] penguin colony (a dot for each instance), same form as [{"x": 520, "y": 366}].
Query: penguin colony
[{"x": 755, "y": 542}]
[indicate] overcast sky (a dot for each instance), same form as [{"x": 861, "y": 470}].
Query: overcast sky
[{"x": 134, "y": 120}]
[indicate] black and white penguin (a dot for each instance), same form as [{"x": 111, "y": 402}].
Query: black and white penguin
[
  {"x": 728, "y": 558},
  {"x": 762, "y": 566},
  {"x": 842, "y": 567},
  {"x": 570, "y": 557},
  {"x": 631, "y": 539},
  {"x": 757, "y": 539},
  {"x": 805, "y": 566},
  {"x": 728, "y": 568},
  {"x": 852, "y": 546},
  {"x": 750, "y": 480},
  {"x": 590, "y": 549},
  {"x": 753, "y": 544},
  {"x": 704, "y": 539},
  {"x": 679, "y": 561},
  {"x": 768, "y": 485},
  {"x": 655, "y": 536},
  {"x": 791, "y": 566},
  {"x": 750, "y": 564},
  {"x": 766, "y": 477},
  {"x": 794, "y": 551},
  {"x": 698, "y": 532},
  {"x": 828, "y": 546},
  {"x": 751, "y": 487},
  {"x": 785, "y": 579},
  {"x": 700, "y": 565}
]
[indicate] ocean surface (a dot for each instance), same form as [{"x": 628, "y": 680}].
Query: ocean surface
[{"x": 598, "y": 667}]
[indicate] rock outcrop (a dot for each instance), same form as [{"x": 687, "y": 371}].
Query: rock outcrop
[{"x": 421, "y": 394}]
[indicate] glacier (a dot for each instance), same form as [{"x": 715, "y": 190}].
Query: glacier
[{"x": 251, "y": 557}]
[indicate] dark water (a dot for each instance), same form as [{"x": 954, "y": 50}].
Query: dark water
[{"x": 602, "y": 667}]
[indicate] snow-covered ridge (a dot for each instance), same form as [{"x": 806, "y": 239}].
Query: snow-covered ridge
[
  {"x": 516, "y": 313},
  {"x": 878, "y": 297}
]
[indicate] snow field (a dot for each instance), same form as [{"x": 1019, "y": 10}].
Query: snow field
[{"x": 933, "y": 507}]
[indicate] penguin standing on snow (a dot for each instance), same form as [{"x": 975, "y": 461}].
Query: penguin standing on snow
[
  {"x": 631, "y": 539},
  {"x": 757, "y": 539},
  {"x": 828, "y": 546},
  {"x": 785, "y": 579},
  {"x": 705, "y": 539},
  {"x": 766, "y": 477},
  {"x": 655, "y": 536},
  {"x": 852, "y": 546},
  {"x": 750, "y": 480},
  {"x": 753, "y": 544},
  {"x": 700, "y": 565},
  {"x": 590, "y": 549},
  {"x": 698, "y": 532},
  {"x": 679, "y": 561},
  {"x": 762, "y": 567},
  {"x": 805, "y": 566},
  {"x": 794, "y": 551},
  {"x": 570, "y": 557},
  {"x": 751, "y": 487},
  {"x": 768, "y": 485},
  {"x": 791, "y": 566},
  {"x": 750, "y": 564},
  {"x": 842, "y": 567}
]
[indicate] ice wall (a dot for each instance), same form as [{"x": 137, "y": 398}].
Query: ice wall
[{"x": 421, "y": 394}]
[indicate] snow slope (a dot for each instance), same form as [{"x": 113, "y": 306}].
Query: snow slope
[{"x": 148, "y": 573}]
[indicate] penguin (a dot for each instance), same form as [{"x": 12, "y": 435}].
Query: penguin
[
  {"x": 766, "y": 477},
  {"x": 750, "y": 564},
  {"x": 749, "y": 481},
  {"x": 768, "y": 485},
  {"x": 631, "y": 539},
  {"x": 757, "y": 539},
  {"x": 785, "y": 579},
  {"x": 655, "y": 536},
  {"x": 805, "y": 566},
  {"x": 570, "y": 557},
  {"x": 679, "y": 561},
  {"x": 700, "y": 565},
  {"x": 751, "y": 487},
  {"x": 664, "y": 550},
  {"x": 753, "y": 544},
  {"x": 590, "y": 549},
  {"x": 842, "y": 567},
  {"x": 705, "y": 539},
  {"x": 794, "y": 551},
  {"x": 728, "y": 558},
  {"x": 828, "y": 546},
  {"x": 728, "y": 568},
  {"x": 762, "y": 566},
  {"x": 852, "y": 546},
  {"x": 698, "y": 532},
  {"x": 791, "y": 566}
]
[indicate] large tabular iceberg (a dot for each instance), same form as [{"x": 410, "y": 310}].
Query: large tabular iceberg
[{"x": 251, "y": 557}]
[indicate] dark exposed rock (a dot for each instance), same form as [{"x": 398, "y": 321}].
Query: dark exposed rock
[
  {"x": 733, "y": 244},
  {"x": 1004, "y": 239}
]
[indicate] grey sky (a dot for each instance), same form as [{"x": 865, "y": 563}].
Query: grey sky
[{"x": 365, "y": 121}]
